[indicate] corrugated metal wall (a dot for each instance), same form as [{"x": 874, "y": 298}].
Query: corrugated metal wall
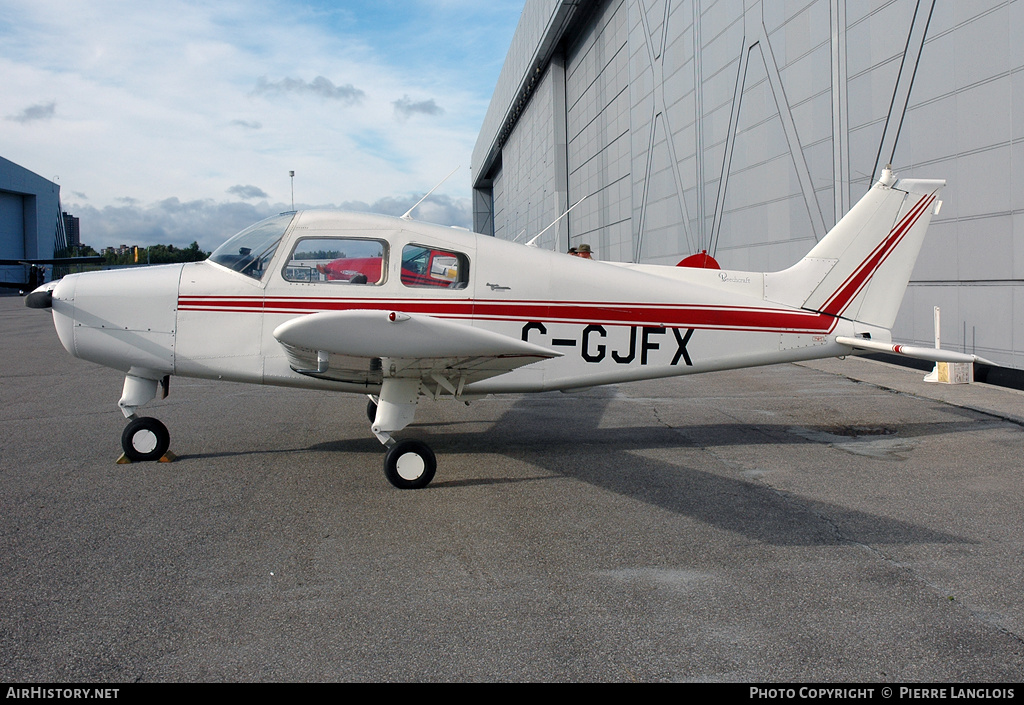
[{"x": 747, "y": 128}]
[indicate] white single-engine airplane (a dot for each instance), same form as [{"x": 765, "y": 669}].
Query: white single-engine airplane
[{"x": 398, "y": 310}]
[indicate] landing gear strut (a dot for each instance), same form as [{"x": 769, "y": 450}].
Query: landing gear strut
[
  {"x": 408, "y": 464},
  {"x": 144, "y": 438}
]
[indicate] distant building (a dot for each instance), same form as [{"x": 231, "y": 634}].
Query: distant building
[
  {"x": 71, "y": 229},
  {"x": 118, "y": 251},
  {"x": 31, "y": 225},
  {"x": 748, "y": 128}
]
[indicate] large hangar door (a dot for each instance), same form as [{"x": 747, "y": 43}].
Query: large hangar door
[{"x": 12, "y": 235}]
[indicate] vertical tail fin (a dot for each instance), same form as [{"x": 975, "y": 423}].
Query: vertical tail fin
[{"x": 861, "y": 268}]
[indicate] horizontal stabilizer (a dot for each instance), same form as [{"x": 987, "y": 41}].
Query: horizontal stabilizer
[{"x": 919, "y": 353}]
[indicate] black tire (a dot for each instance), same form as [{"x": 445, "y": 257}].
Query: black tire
[
  {"x": 145, "y": 439},
  {"x": 371, "y": 410},
  {"x": 410, "y": 465}
]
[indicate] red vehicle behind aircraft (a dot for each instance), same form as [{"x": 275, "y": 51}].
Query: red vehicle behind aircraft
[{"x": 421, "y": 266}]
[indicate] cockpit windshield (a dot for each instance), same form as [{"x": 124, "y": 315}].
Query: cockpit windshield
[{"x": 249, "y": 252}]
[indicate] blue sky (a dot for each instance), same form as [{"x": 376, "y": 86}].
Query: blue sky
[{"x": 180, "y": 120}]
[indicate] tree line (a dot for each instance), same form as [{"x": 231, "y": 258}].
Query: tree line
[{"x": 153, "y": 254}]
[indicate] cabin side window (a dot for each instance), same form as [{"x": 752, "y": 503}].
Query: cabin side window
[
  {"x": 424, "y": 266},
  {"x": 341, "y": 260}
]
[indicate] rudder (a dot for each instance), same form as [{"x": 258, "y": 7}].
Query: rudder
[{"x": 861, "y": 268}]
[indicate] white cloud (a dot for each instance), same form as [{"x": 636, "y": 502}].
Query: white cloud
[
  {"x": 41, "y": 111},
  {"x": 247, "y": 193},
  {"x": 183, "y": 102},
  {"x": 209, "y": 222},
  {"x": 323, "y": 87},
  {"x": 406, "y": 108}
]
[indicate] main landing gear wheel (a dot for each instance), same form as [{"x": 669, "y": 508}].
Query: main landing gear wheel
[
  {"x": 145, "y": 439},
  {"x": 371, "y": 410},
  {"x": 410, "y": 464}
]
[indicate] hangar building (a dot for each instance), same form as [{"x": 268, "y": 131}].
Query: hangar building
[
  {"x": 31, "y": 224},
  {"x": 748, "y": 128}
]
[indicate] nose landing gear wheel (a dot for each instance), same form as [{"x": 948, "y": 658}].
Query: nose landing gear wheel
[
  {"x": 410, "y": 464},
  {"x": 145, "y": 438}
]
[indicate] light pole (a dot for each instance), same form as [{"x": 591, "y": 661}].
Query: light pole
[{"x": 292, "y": 175}]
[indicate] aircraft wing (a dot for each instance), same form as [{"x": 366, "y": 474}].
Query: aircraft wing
[
  {"x": 97, "y": 259},
  {"x": 365, "y": 346}
]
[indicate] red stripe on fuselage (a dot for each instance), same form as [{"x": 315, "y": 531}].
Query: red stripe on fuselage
[{"x": 583, "y": 313}]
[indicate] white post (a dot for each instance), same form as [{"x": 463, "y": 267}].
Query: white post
[{"x": 933, "y": 376}]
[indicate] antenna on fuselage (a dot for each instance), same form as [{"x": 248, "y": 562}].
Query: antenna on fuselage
[
  {"x": 533, "y": 240},
  {"x": 408, "y": 213}
]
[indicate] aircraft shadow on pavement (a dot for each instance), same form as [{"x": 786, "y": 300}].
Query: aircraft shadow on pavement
[{"x": 563, "y": 437}]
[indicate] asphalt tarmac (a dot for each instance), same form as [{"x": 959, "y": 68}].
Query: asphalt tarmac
[{"x": 787, "y": 523}]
